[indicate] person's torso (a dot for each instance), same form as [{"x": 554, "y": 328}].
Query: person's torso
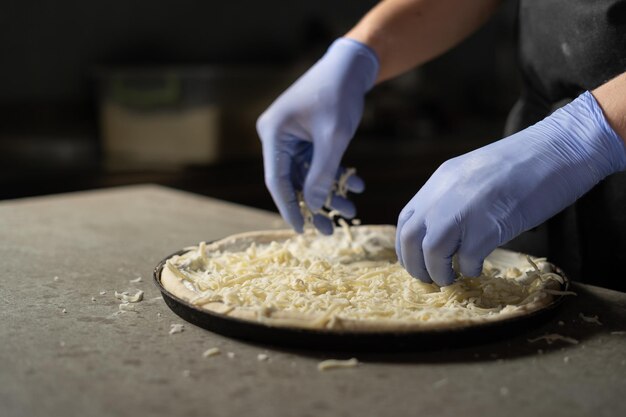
[{"x": 569, "y": 46}]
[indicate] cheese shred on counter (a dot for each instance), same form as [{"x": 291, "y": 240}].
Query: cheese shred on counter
[{"x": 350, "y": 276}]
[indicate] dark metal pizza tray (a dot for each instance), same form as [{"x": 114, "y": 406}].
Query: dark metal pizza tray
[{"x": 374, "y": 341}]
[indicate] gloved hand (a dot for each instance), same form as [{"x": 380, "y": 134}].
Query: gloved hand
[
  {"x": 483, "y": 199},
  {"x": 305, "y": 132}
]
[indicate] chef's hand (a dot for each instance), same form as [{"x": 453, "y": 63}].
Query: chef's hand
[
  {"x": 481, "y": 200},
  {"x": 305, "y": 132}
]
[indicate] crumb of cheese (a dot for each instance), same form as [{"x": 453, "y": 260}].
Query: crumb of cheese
[
  {"x": 214, "y": 351},
  {"x": 337, "y": 364},
  {"x": 128, "y": 298},
  {"x": 177, "y": 328},
  {"x": 126, "y": 307},
  {"x": 590, "y": 319}
]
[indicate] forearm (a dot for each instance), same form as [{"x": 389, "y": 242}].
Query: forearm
[
  {"x": 611, "y": 97},
  {"x": 407, "y": 33}
]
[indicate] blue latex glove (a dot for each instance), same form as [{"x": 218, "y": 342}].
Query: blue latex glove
[
  {"x": 483, "y": 199},
  {"x": 306, "y": 131}
]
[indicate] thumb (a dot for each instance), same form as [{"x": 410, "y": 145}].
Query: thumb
[{"x": 321, "y": 177}]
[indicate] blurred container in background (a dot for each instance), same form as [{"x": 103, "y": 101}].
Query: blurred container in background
[{"x": 168, "y": 118}]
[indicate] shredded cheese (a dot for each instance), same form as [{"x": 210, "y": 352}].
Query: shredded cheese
[
  {"x": 214, "y": 351},
  {"x": 590, "y": 319},
  {"x": 176, "y": 328},
  {"x": 352, "y": 275},
  {"x": 553, "y": 337},
  {"x": 128, "y": 298},
  {"x": 337, "y": 364},
  {"x": 340, "y": 188}
]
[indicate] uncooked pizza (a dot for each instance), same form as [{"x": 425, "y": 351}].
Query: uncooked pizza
[{"x": 350, "y": 280}]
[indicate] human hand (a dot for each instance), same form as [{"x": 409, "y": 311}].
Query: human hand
[
  {"x": 306, "y": 131},
  {"x": 481, "y": 200}
]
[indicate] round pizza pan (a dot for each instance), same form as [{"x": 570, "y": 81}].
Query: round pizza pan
[{"x": 374, "y": 341}]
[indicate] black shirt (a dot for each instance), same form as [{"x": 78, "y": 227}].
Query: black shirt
[{"x": 567, "y": 47}]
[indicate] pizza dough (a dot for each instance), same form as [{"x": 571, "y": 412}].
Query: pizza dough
[{"x": 350, "y": 280}]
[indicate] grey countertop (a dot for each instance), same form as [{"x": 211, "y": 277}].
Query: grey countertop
[{"x": 64, "y": 353}]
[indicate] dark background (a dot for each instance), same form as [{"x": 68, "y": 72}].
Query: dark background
[{"x": 62, "y": 61}]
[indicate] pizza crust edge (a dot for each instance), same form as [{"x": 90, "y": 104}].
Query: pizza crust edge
[{"x": 174, "y": 286}]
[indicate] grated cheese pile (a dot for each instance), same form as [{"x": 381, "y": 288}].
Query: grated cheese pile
[{"x": 352, "y": 275}]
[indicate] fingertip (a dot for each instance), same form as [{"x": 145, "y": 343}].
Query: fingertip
[
  {"x": 404, "y": 216},
  {"x": 416, "y": 271},
  {"x": 299, "y": 228},
  {"x": 355, "y": 184},
  {"x": 344, "y": 206},
  {"x": 440, "y": 244},
  {"x": 473, "y": 272},
  {"x": 423, "y": 278},
  {"x": 444, "y": 278},
  {"x": 293, "y": 216},
  {"x": 470, "y": 265},
  {"x": 410, "y": 239},
  {"x": 323, "y": 224}
]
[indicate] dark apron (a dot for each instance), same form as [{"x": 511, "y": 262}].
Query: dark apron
[{"x": 567, "y": 47}]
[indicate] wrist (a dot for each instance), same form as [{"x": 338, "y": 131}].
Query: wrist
[
  {"x": 609, "y": 143},
  {"x": 579, "y": 136},
  {"x": 610, "y": 98},
  {"x": 358, "y": 58}
]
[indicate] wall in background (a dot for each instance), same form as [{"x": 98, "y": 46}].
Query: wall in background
[
  {"x": 49, "y": 48},
  {"x": 51, "y": 136}
]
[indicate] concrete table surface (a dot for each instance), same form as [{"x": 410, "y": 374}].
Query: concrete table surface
[{"x": 64, "y": 353}]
